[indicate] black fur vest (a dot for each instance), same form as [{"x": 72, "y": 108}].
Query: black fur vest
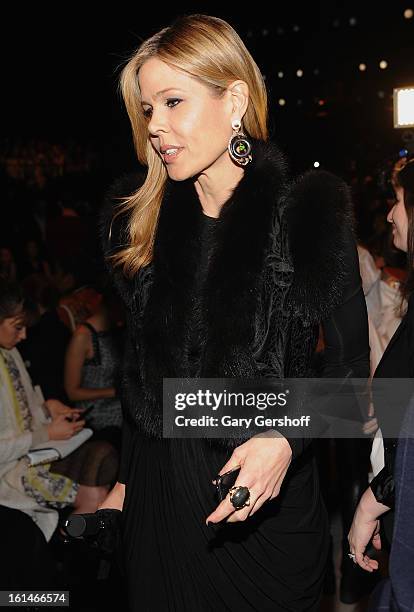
[{"x": 277, "y": 269}]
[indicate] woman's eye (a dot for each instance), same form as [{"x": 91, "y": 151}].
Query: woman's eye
[{"x": 171, "y": 102}]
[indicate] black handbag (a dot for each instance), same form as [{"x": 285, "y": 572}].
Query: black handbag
[{"x": 225, "y": 482}]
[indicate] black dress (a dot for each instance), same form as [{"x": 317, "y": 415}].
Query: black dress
[
  {"x": 397, "y": 362},
  {"x": 274, "y": 560}
]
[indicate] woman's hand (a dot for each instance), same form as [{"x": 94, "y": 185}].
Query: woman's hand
[
  {"x": 115, "y": 498},
  {"x": 264, "y": 461},
  {"x": 57, "y": 408},
  {"x": 364, "y": 528},
  {"x": 62, "y": 429}
]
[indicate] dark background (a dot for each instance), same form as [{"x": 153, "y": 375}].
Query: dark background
[{"x": 61, "y": 62}]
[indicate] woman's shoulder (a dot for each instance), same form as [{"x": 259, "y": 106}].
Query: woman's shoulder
[
  {"x": 320, "y": 219},
  {"x": 83, "y": 329},
  {"x": 81, "y": 337},
  {"x": 318, "y": 213},
  {"x": 319, "y": 198}
]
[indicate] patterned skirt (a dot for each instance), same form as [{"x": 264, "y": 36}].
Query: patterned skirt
[{"x": 49, "y": 489}]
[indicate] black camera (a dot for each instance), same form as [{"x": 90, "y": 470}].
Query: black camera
[
  {"x": 83, "y": 525},
  {"x": 101, "y": 528}
]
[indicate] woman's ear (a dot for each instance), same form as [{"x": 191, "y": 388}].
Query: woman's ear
[{"x": 239, "y": 92}]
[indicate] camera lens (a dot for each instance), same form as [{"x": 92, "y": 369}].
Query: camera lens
[{"x": 82, "y": 525}]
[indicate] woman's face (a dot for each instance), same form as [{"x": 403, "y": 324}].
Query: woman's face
[
  {"x": 398, "y": 217},
  {"x": 185, "y": 117},
  {"x": 13, "y": 329}
]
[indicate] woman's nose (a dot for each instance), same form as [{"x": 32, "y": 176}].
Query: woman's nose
[
  {"x": 389, "y": 216},
  {"x": 157, "y": 124}
]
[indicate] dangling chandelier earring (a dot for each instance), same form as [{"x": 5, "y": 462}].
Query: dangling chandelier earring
[{"x": 240, "y": 147}]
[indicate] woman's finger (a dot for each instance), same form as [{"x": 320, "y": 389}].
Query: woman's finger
[
  {"x": 376, "y": 541},
  {"x": 372, "y": 563},
  {"x": 260, "y": 500},
  {"x": 75, "y": 411},
  {"x": 223, "y": 510},
  {"x": 368, "y": 564},
  {"x": 77, "y": 425},
  {"x": 359, "y": 560},
  {"x": 365, "y": 562},
  {"x": 244, "y": 513}
]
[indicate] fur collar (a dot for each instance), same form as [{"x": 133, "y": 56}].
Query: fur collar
[
  {"x": 224, "y": 312},
  {"x": 319, "y": 223}
]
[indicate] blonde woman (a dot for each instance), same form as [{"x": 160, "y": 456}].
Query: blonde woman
[{"x": 226, "y": 271}]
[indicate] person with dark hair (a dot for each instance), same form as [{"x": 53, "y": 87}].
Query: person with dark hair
[
  {"x": 397, "y": 362},
  {"x": 227, "y": 268},
  {"x": 402, "y": 218},
  {"x": 44, "y": 347}
]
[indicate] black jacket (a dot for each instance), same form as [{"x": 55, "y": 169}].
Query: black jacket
[
  {"x": 284, "y": 261},
  {"x": 396, "y": 362}
]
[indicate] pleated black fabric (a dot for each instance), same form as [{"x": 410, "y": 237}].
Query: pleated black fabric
[{"x": 174, "y": 562}]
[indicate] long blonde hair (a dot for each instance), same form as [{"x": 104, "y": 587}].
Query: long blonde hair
[{"x": 209, "y": 50}]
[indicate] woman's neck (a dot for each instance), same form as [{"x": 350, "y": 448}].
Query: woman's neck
[{"x": 215, "y": 185}]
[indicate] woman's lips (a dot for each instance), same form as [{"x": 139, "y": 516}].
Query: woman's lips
[{"x": 168, "y": 158}]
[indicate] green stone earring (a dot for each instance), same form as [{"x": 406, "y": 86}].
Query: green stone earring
[{"x": 240, "y": 148}]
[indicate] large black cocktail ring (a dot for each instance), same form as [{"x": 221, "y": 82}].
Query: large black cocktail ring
[{"x": 239, "y": 497}]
